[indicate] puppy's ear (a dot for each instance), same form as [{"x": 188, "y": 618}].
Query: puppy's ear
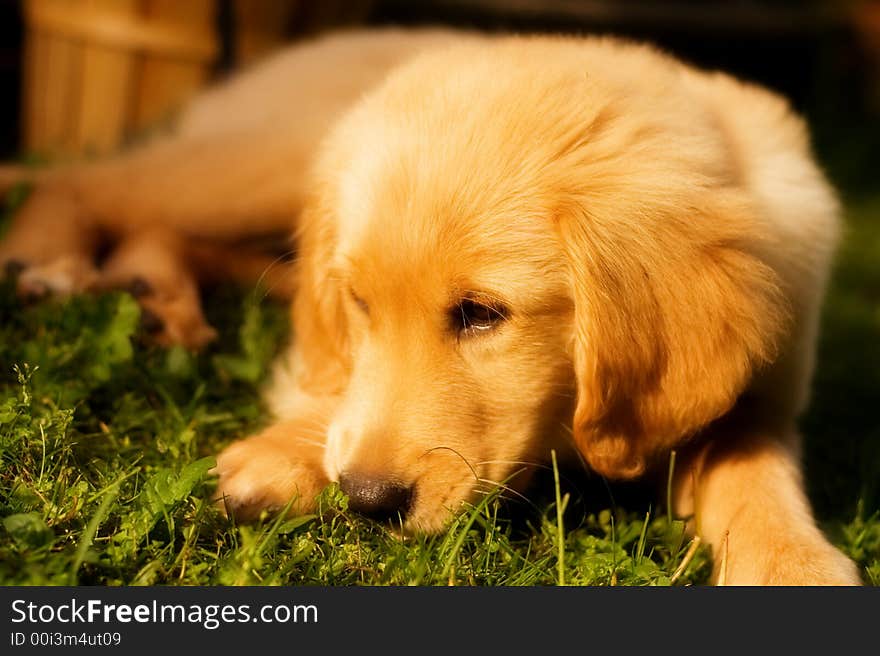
[
  {"x": 319, "y": 322},
  {"x": 673, "y": 312}
]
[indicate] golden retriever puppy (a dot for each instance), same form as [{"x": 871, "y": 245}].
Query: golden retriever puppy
[{"x": 506, "y": 246}]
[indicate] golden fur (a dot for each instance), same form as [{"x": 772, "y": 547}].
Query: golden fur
[{"x": 651, "y": 242}]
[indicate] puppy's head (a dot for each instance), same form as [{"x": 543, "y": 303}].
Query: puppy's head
[{"x": 521, "y": 247}]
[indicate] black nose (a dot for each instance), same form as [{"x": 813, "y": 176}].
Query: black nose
[{"x": 376, "y": 497}]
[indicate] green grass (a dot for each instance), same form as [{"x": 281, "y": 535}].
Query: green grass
[{"x": 106, "y": 443}]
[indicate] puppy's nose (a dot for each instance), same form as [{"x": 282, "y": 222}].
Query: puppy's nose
[{"x": 374, "y": 496}]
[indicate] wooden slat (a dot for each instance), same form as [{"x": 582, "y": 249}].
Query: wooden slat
[
  {"x": 105, "y": 84},
  {"x": 51, "y": 79},
  {"x": 61, "y": 70}
]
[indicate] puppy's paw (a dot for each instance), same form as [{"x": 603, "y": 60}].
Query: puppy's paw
[
  {"x": 807, "y": 561},
  {"x": 260, "y": 474},
  {"x": 169, "y": 315},
  {"x": 176, "y": 319},
  {"x": 821, "y": 565},
  {"x": 63, "y": 276}
]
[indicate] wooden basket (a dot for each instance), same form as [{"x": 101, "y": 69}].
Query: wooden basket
[{"x": 99, "y": 71}]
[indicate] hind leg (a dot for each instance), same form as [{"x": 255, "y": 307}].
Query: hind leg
[
  {"x": 151, "y": 264},
  {"x": 171, "y": 213},
  {"x": 221, "y": 189},
  {"x": 50, "y": 245}
]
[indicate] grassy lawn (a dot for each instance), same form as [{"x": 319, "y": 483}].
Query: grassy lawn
[{"x": 106, "y": 443}]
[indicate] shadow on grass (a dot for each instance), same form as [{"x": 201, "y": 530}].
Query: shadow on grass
[{"x": 842, "y": 426}]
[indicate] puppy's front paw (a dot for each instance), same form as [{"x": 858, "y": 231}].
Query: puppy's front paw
[
  {"x": 808, "y": 560},
  {"x": 267, "y": 472}
]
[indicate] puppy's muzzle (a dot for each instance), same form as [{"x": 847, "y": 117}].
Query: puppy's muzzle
[{"x": 376, "y": 497}]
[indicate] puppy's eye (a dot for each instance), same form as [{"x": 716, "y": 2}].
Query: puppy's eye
[
  {"x": 471, "y": 317},
  {"x": 361, "y": 303}
]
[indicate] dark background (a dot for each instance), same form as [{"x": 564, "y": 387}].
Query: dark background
[{"x": 10, "y": 76}]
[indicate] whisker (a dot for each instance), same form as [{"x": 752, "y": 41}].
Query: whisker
[
  {"x": 504, "y": 488},
  {"x": 527, "y": 463},
  {"x": 259, "y": 284},
  {"x": 449, "y": 448}
]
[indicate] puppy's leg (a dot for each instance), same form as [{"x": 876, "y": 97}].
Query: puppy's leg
[
  {"x": 219, "y": 187},
  {"x": 223, "y": 187},
  {"x": 280, "y": 464},
  {"x": 163, "y": 271},
  {"x": 50, "y": 244},
  {"x": 152, "y": 265},
  {"x": 747, "y": 498}
]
